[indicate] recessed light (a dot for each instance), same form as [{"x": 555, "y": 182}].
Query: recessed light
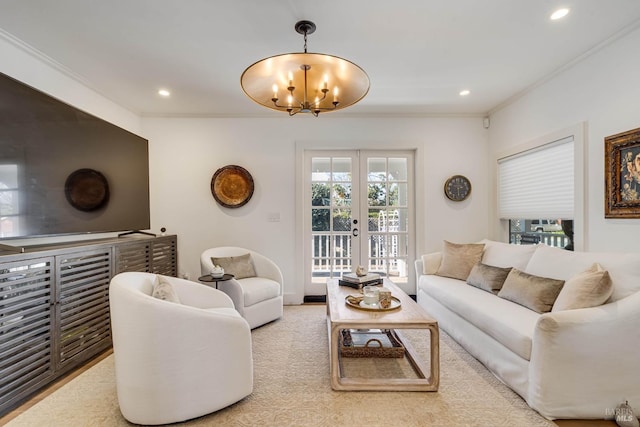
[
  {"x": 559, "y": 14},
  {"x": 465, "y": 92},
  {"x": 164, "y": 92}
]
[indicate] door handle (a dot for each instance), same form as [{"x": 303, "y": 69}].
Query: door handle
[{"x": 355, "y": 232}]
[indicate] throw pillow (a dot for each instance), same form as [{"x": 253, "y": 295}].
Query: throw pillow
[
  {"x": 488, "y": 277},
  {"x": 458, "y": 259},
  {"x": 240, "y": 266},
  {"x": 431, "y": 262},
  {"x": 587, "y": 289},
  {"x": 163, "y": 289},
  {"x": 534, "y": 292}
]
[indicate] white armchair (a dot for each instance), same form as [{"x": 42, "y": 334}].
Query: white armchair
[
  {"x": 176, "y": 361},
  {"x": 258, "y": 299}
]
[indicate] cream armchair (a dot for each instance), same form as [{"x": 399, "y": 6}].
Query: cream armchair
[
  {"x": 258, "y": 299},
  {"x": 176, "y": 361}
]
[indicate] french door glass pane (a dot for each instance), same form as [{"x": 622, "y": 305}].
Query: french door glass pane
[
  {"x": 376, "y": 169},
  {"x": 398, "y": 169},
  {"x": 341, "y": 169}
]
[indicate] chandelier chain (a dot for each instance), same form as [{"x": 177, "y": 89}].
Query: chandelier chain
[{"x": 305, "y": 41}]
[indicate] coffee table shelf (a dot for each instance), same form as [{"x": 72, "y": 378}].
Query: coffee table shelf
[{"x": 410, "y": 316}]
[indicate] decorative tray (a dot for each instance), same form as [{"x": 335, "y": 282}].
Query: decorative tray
[
  {"x": 356, "y": 302},
  {"x": 232, "y": 186},
  {"x": 370, "y": 343}
]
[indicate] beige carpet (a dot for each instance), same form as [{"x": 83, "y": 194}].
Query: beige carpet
[{"x": 292, "y": 388}]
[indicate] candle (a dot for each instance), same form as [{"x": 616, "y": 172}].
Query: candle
[
  {"x": 335, "y": 94},
  {"x": 290, "y": 79},
  {"x": 326, "y": 80},
  {"x": 275, "y": 91},
  {"x": 290, "y": 100}
]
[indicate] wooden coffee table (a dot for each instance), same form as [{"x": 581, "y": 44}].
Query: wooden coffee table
[{"x": 409, "y": 316}]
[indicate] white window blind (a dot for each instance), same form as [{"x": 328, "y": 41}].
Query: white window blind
[{"x": 537, "y": 183}]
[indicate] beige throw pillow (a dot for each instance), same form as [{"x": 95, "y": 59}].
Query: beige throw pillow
[
  {"x": 240, "y": 266},
  {"x": 431, "y": 262},
  {"x": 590, "y": 288},
  {"x": 458, "y": 259},
  {"x": 488, "y": 277},
  {"x": 163, "y": 289},
  {"x": 534, "y": 292}
]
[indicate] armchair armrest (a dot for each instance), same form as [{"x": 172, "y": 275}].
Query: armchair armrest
[
  {"x": 198, "y": 295},
  {"x": 585, "y": 361},
  {"x": 432, "y": 261}
]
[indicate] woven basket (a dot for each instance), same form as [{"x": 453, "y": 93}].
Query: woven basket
[{"x": 381, "y": 343}]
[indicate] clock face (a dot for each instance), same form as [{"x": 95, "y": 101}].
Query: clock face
[{"x": 457, "y": 188}]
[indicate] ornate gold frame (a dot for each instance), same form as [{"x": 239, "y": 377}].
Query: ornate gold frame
[{"x": 622, "y": 175}]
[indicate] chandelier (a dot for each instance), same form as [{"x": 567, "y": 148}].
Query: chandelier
[{"x": 305, "y": 82}]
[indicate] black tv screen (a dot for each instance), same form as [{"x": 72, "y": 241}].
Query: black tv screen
[{"x": 63, "y": 171}]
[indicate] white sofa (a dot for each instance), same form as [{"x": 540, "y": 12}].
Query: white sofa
[
  {"x": 176, "y": 360},
  {"x": 578, "y": 363}
]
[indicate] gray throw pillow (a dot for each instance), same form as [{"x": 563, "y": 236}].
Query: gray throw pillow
[
  {"x": 163, "y": 289},
  {"x": 488, "y": 277},
  {"x": 458, "y": 259},
  {"x": 534, "y": 292},
  {"x": 240, "y": 266}
]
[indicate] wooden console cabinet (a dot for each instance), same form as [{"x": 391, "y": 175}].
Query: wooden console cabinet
[{"x": 54, "y": 305}]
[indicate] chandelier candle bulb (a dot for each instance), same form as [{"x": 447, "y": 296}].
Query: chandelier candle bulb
[{"x": 335, "y": 94}]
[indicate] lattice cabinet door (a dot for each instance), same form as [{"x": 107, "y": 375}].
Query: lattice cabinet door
[
  {"x": 26, "y": 323},
  {"x": 83, "y": 304},
  {"x": 135, "y": 256},
  {"x": 165, "y": 256}
]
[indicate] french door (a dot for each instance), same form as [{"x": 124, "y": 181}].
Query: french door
[{"x": 359, "y": 211}]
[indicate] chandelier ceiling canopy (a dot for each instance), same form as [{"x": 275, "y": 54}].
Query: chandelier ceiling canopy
[{"x": 305, "y": 82}]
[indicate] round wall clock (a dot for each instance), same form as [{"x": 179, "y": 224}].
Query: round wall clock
[{"x": 457, "y": 188}]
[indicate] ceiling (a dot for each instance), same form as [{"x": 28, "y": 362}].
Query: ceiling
[{"x": 419, "y": 54}]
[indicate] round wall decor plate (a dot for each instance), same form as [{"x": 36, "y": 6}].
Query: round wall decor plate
[
  {"x": 86, "y": 190},
  {"x": 232, "y": 186}
]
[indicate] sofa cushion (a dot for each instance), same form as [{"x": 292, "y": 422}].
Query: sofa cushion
[
  {"x": 502, "y": 254},
  {"x": 510, "y": 324},
  {"x": 534, "y": 292},
  {"x": 623, "y": 268},
  {"x": 240, "y": 266},
  {"x": 590, "y": 288},
  {"x": 458, "y": 259},
  {"x": 258, "y": 289},
  {"x": 431, "y": 262},
  {"x": 488, "y": 277},
  {"x": 163, "y": 289}
]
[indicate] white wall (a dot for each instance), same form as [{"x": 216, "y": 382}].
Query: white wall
[
  {"x": 603, "y": 91},
  {"x": 185, "y": 153}
]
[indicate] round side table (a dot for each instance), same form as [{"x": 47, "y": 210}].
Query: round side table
[{"x": 207, "y": 278}]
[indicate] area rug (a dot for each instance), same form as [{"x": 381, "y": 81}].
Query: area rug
[{"x": 292, "y": 388}]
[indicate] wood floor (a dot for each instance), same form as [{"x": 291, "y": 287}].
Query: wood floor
[
  {"x": 53, "y": 387},
  {"x": 62, "y": 381}
]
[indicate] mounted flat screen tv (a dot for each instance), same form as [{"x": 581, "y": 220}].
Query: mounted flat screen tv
[{"x": 63, "y": 171}]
